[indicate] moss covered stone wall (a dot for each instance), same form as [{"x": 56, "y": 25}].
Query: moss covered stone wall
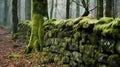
[{"x": 83, "y": 42}]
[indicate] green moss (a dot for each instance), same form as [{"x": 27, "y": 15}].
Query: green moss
[
  {"x": 49, "y": 22},
  {"x": 118, "y": 46},
  {"x": 76, "y": 35},
  {"x": 87, "y": 53},
  {"x": 107, "y": 27},
  {"x": 76, "y": 20},
  {"x": 100, "y": 28},
  {"x": 105, "y": 20},
  {"x": 14, "y": 55},
  {"x": 65, "y": 65},
  {"x": 110, "y": 32},
  {"x": 73, "y": 63},
  {"x": 24, "y": 30},
  {"x": 26, "y": 22},
  {"x": 84, "y": 22},
  {"x": 78, "y": 41},
  {"x": 36, "y": 41},
  {"x": 15, "y": 36},
  {"x": 57, "y": 59},
  {"x": 112, "y": 58}
]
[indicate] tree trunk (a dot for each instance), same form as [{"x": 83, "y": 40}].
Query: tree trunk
[
  {"x": 99, "y": 9},
  {"x": 108, "y": 10},
  {"x": 56, "y": 8},
  {"x": 27, "y": 9},
  {"x": 86, "y": 7},
  {"x": 15, "y": 16},
  {"x": 36, "y": 38},
  {"x": 51, "y": 10},
  {"x": 77, "y": 9},
  {"x": 67, "y": 9},
  {"x": 5, "y": 12}
]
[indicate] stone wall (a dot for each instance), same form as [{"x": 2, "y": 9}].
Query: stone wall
[{"x": 83, "y": 42}]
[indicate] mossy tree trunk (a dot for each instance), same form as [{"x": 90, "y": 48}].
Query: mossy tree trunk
[
  {"x": 36, "y": 38},
  {"x": 99, "y": 9}
]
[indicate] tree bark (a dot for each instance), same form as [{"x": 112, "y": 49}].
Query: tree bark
[
  {"x": 36, "y": 38},
  {"x": 86, "y": 7},
  {"x": 99, "y": 9},
  {"x": 14, "y": 15},
  {"x": 5, "y": 12},
  {"x": 27, "y": 9},
  {"x": 108, "y": 10},
  {"x": 77, "y": 9},
  {"x": 67, "y": 9},
  {"x": 56, "y": 8},
  {"x": 51, "y": 10}
]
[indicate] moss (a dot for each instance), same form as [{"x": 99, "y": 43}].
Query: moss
[
  {"x": 105, "y": 20},
  {"x": 76, "y": 20},
  {"x": 58, "y": 22},
  {"x": 112, "y": 58},
  {"x": 116, "y": 23},
  {"x": 93, "y": 38},
  {"x": 76, "y": 35},
  {"x": 118, "y": 46},
  {"x": 88, "y": 55},
  {"x": 110, "y": 32},
  {"x": 79, "y": 41},
  {"x": 84, "y": 22},
  {"x": 26, "y": 22},
  {"x": 36, "y": 41},
  {"x": 49, "y": 22},
  {"x": 15, "y": 36},
  {"x": 73, "y": 63},
  {"x": 65, "y": 59},
  {"x": 57, "y": 59},
  {"x": 65, "y": 65},
  {"x": 14, "y": 55},
  {"x": 107, "y": 27}
]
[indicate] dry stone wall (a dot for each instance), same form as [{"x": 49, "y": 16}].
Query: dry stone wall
[{"x": 83, "y": 42}]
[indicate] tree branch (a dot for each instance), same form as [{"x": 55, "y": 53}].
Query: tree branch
[
  {"x": 77, "y": 3},
  {"x": 93, "y": 8}
]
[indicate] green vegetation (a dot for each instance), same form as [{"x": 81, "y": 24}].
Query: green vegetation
[
  {"x": 13, "y": 55},
  {"x": 82, "y": 41}
]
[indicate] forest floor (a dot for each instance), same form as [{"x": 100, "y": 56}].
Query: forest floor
[{"x": 11, "y": 53}]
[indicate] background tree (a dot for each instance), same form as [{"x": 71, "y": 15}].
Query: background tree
[
  {"x": 52, "y": 7},
  {"x": 27, "y": 9},
  {"x": 77, "y": 9},
  {"x": 6, "y": 12},
  {"x": 56, "y": 4},
  {"x": 36, "y": 38},
  {"x": 86, "y": 6},
  {"x": 99, "y": 9},
  {"x": 67, "y": 8},
  {"x": 14, "y": 15},
  {"x": 108, "y": 9}
]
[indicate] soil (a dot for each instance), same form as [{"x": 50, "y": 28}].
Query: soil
[{"x": 9, "y": 47}]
